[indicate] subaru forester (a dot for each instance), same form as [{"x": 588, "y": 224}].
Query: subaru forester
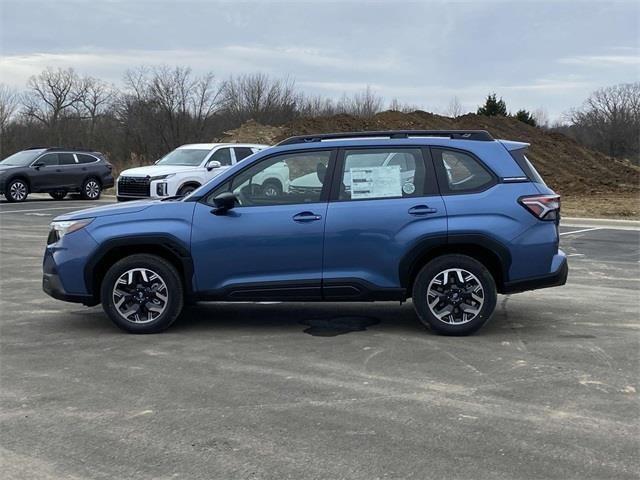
[{"x": 448, "y": 219}]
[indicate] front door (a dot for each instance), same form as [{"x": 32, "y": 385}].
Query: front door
[
  {"x": 385, "y": 202},
  {"x": 47, "y": 174},
  {"x": 267, "y": 246}
]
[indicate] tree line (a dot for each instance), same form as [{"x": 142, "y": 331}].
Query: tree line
[{"x": 157, "y": 109}]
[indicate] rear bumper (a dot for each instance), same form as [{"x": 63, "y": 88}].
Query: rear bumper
[{"x": 556, "y": 278}]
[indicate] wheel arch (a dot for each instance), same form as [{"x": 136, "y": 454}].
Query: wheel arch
[
  {"x": 19, "y": 176},
  {"x": 187, "y": 183},
  {"x": 164, "y": 246},
  {"x": 488, "y": 251}
]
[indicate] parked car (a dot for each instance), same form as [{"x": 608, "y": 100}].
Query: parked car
[
  {"x": 56, "y": 171},
  {"x": 182, "y": 170},
  {"x": 475, "y": 219}
]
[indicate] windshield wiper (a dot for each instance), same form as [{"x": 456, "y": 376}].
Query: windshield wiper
[{"x": 173, "y": 197}]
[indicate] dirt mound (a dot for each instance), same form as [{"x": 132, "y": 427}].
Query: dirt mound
[
  {"x": 253, "y": 132},
  {"x": 567, "y": 166}
]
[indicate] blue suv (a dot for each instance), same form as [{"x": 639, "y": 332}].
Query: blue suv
[{"x": 447, "y": 218}]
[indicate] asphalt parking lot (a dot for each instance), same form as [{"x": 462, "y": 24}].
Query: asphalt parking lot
[{"x": 548, "y": 389}]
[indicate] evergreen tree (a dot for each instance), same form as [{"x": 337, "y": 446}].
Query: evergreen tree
[
  {"x": 493, "y": 107},
  {"x": 525, "y": 117}
]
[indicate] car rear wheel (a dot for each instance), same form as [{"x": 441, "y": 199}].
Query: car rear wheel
[
  {"x": 58, "y": 195},
  {"x": 17, "y": 191},
  {"x": 454, "y": 295},
  {"x": 91, "y": 189},
  {"x": 142, "y": 294}
]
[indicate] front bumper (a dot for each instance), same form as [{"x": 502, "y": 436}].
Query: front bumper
[
  {"x": 52, "y": 286},
  {"x": 556, "y": 278}
]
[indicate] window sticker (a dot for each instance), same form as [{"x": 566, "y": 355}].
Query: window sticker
[
  {"x": 408, "y": 188},
  {"x": 376, "y": 182}
]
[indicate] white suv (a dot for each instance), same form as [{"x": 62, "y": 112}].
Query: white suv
[{"x": 184, "y": 169}]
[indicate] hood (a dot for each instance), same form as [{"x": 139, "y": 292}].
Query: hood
[
  {"x": 156, "y": 170},
  {"x": 4, "y": 168},
  {"x": 116, "y": 209}
]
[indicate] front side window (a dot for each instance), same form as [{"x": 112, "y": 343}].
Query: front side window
[
  {"x": 287, "y": 179},
  {"x": 184, "y": 156},
  {"x": 382, "y": 173},
  {"x": 49, "y": 159},
  {"x": 223, "y": 156},
  {"x": 462, "y": 172}
]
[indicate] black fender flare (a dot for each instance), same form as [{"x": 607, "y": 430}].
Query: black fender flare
[
  {"x": 168, "y": 243},
  {"x": 432, "y": 243}
]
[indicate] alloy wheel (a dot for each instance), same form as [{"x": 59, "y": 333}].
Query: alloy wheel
[
  {"x": 271, "y": 191},
  {"x": 92, "y": 189},
  {"x": 455, "y": 296},
  {"x": 18, "y": 191},
  {"x": 140, "y": 295}
]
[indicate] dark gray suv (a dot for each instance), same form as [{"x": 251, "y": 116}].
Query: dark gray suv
[{"x": 56, "y": 171}]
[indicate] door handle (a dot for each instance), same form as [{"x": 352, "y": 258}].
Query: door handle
[
  {"x": 304, "y": 217},
  {"x": 58, "y": 169},
  {"x": 422, "y": 210}
]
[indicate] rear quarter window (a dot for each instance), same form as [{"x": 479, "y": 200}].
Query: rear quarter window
[
  {"x": 525, "y": 164},
  {"x": 460, "y": 172},
  {"x": 83, "y": 158}
]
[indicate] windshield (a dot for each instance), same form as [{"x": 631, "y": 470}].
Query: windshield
[
  {"x": 21, "y": 159},
  {"x": 184, "y": 156}
]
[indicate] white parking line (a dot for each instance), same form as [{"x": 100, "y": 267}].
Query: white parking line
[
  {"x": 75, "y": 207},
  {"x": 583, "y": 230}
]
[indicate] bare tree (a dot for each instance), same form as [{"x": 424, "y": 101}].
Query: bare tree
[
  {"x": 396, "y": 106},
  {"x": 51, "y": 95},
  {"x": 609, "y": 120},
  {"x": 454, "y": 109},
  {"x": 96, "y": 99},
  {"x": 9, "y": 101},
  {"x": 361, "y": 104},
  {"x": 261, "y": 98},
  {"x": 541, "y": 117}
]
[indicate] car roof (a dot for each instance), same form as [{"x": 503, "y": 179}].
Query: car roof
[{"x": 210, "y": 146}]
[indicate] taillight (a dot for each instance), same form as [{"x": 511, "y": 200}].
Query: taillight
[{"x": 544, "y": 207}]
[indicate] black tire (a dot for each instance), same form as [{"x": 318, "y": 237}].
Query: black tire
[
  {"x": 272, "y": 188},
  {"x": 138, "y": 322},
  {"x": 17, "y": 190},
  {"x": 459, "y": 296},
  {"x": 187, "y": 189},
  {"x": 91, "y": 189},
  {"x": 58, "y": 195}
]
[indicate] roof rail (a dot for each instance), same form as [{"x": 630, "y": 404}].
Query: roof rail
[
  {"x": 479, "y": 135},
  {"x": 62, "y": 149}
]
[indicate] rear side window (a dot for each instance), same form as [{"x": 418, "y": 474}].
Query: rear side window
[
  {"x": 82, "y": 158},
  {"x": 242, "y": 153},
  {"x": 460, "y": 172},
  {"x": 382, "y": 173},
  {"x": 525, "y": 164},
  {"x": 66, "y": 159}
]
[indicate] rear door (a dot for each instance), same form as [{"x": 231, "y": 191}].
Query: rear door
[
  {"x": 71, "y": 171},
  {"x": 379, "y": 211}
]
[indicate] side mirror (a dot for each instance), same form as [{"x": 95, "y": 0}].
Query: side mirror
[
  {"x": 38, "y": 164},
  {"x": 224, "y": 202},
  {"x": 211, "y": 164}
]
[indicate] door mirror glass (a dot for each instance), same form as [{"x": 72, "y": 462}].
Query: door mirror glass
[
  {"x": 38, "y": 164},
  {"x": 211, "y": 164}
]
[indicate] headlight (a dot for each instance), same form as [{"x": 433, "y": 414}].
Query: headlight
[
  {"x": 162, "y": 177},
  {"x": 60, "y": 229}
]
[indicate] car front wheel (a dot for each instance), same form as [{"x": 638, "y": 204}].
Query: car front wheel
[
  {"x": 17, "y": 191},
  {"x": 454, "y": 295},
  {"x": 142, "y": 294}
]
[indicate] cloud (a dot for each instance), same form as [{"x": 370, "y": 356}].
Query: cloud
[
  {"x": 299, "y": 62},
  {"x": 601, "y": 60}
]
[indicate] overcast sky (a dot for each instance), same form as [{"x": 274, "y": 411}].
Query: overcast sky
[{"x": 534, "y": 54}]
